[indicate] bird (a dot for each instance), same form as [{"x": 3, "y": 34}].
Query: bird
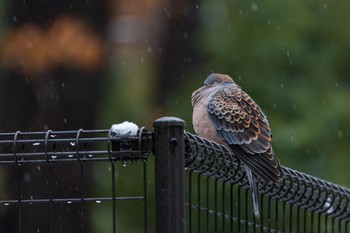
[{"x": 225, "y": 114}]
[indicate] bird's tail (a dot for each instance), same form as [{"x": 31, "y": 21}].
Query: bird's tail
[{"x": 255, "y": 191}]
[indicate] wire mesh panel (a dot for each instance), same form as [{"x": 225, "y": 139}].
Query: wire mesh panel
[
  {"x": 72, "y": 181},
  {"x": 219, "y": 198}
]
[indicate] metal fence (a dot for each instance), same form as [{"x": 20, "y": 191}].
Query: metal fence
[{"x": 51, "y": 182}]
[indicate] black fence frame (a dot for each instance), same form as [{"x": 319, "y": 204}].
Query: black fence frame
[{"x": 197, "y": 182}]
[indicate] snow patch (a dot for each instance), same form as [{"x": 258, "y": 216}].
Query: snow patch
[{"x": 125, "y": 129}]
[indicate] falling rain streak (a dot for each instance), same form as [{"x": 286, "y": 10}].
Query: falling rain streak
[{"x": 289, "y": 58}]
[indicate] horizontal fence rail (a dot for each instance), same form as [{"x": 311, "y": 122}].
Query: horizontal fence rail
[
  {"x": 76, "y": 145},
  {"x": 217, "y": 195}
]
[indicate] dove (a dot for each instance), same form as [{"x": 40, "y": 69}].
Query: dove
[{"x": 225, "y": 114}]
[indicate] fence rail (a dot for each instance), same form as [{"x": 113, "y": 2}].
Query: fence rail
[{"x": 199, "y": 185}]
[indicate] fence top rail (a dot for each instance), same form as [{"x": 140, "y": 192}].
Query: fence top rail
[
  {"x": 202, "y": 157},
  {"x": 73, "y": 145}
]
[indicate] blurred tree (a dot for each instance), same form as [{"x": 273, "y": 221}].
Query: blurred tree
[
  {"x": 52, "y": 67},
  {"x": 150, "y": 52}
]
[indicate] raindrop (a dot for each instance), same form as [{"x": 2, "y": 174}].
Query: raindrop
[
  {"x": 185, "y": 35},
  {"x": 27, "y": 177},
  {"x": 36, "y": 143},
  {"x": 142, "y": 60},
  {"x": 197, "y": 6},
  {"x": 53, "y": 135},
  {"x": 340, "y": 133},
  {"x": 37, "y": 230},
  {"x": 282, "y": 86},
  {"x": 274, "y": 105},
  {"x": 254, "y": 6},
  {"x": 65, "y": 120},
  {"x": 53, "y": 156},
  {"x": 38, "y": 167},
  {"x": 98, "y": 201},
  {"x": 269, "y": 22},
  {"x": 69, "y": 202},
  {"x": 70, "y": 156},
  {"x": 325, "y": 6},
  {"x": 288, "y": 55},
  {"x": 124, "y": 163},
  {"x": 62, "y": 84},
  {"x": 14, "y": 19},
  {"x": 294, "y": 106},
  {"x": 72, "y": 143},
  {"x": 336, "y": 85},
  {"x": 90, "y": 155},
  {"x": 328, "y": 205},
  {"x": 149, "y": 49},
  {"x": 6, "y": 203}
]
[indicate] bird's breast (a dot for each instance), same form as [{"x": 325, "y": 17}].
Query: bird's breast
[{"x": 203, "y": 125}]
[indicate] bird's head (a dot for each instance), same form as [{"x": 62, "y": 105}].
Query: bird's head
[{"x": 215, "y": 79}]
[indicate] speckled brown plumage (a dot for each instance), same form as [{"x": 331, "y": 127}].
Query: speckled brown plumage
[{"x": 240, "y": 123}]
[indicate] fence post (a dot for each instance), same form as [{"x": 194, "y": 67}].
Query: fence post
[{"x": 169, "y": 151}]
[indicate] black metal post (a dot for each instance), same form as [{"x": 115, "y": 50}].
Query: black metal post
[{"x": 169, "y": 153}]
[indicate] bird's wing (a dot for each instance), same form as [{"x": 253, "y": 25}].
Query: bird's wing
[
  {"x": 239, "y": 120},
  {"x": 241, "y": 123}
]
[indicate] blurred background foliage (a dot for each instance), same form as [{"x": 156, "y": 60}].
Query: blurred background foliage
[{"x": 73, "y": 64}]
